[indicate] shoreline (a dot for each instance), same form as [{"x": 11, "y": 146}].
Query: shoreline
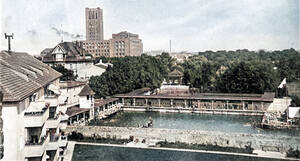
[{"x": 260, "y": 154}]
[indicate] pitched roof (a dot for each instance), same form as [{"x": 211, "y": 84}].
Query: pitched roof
[
  {"x": 175, "y": 72},
  {"x": 21, "y": 75},
  {"x": 72, "y": 84},
  {"x": 73, "y": 50},
  {"x": 72, "y": 111},
  {"x": 101, "y": 102},
  {"x": 86, "y": 90}
]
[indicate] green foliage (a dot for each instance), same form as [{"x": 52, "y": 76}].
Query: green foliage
[
  {"x": 208, "y": 147},
  {"x": 287, "y": 61},
  {"x": 295, "y": 100},
  {"x": 240, "y": 71},
  {"x": 129, "y": 73},
  {"x": 200, "y": 74},
  {"x": 66, "y": 74},
  {"x": 248, "y": 77}
]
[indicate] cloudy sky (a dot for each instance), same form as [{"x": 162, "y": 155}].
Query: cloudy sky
[{"x": 192, "y": 25}]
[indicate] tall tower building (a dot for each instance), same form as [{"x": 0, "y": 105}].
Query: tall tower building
[{"x": 94, "y": 24}]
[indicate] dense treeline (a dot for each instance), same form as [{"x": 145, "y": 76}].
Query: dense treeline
[
  {"x": 239, "y": 71},
  {"x": 129, "y": 73},
  {"x": 287, "y": 61}
]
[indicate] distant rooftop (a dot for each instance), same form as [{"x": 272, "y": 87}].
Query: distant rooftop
[
  {"x": 73, "y": 52},
  {"x": 176, "y": 73}
]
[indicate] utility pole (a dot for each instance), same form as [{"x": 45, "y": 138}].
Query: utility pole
[{"x": 9, "y": 37}]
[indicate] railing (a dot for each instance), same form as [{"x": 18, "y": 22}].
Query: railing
[
  {"x": 36, "y": 149},
  {"x": 57, "y": 141},
  {"x": 54, "y": 138},
  {"x": 36, "y": 113}
]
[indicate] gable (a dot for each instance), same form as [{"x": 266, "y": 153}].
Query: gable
[{"x": 58, "y": 50}]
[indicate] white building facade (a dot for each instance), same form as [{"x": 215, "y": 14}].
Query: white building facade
[{"x": 30, "y": 101}]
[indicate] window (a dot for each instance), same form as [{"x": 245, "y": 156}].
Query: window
[{"x": 88, "y": 97}]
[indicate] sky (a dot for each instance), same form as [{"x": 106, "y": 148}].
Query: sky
[{"x": 191, "y": 25}]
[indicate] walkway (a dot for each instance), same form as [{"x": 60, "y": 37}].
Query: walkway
[{"x": 69, "y": 151}]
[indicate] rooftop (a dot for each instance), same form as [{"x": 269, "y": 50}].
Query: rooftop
[
  {"x": 72, "y": 111},
  {"x": 101, "y": 102},
  {"x": 72, "y": 84},
  {"x": 21, "y": 75},
  {"x": 175, "y": 72},
  {"x": 267, "y": 96},
  {"x": 86, "y": 90},
  {"x": 73, "y": 51}
]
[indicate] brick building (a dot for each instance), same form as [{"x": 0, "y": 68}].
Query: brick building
[{"x": 120, "y": 45}]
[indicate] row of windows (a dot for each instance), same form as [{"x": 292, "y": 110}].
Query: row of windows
[
  {"x": 120, "y": 50},
  {"x": 119, "y": 42},
  {"x": 92, "y": 51},
  {"x": 96, "y": 43},
  {"x": 104, "y": 54},
  {"x": 120, "y": 46},
  {"x": 95, "y": 47},
  {"x": 120, "y": 54},
  {"x": 93, "y": 15}
]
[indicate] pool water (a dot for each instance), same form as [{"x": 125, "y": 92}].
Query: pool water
[
  {"x": 109, "y": 153},
  {"x": 191, "y": 121}
]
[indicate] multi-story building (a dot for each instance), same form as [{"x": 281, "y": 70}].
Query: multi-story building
[
  {"x": 97, "y": 48},
  {"x": 30, "y": 101},
  {"x": 94, "y": 24},
  {"x": 72, "y": 56},
  {"x": 120, "y": 45},
  {"x": 126, "y": 44}
]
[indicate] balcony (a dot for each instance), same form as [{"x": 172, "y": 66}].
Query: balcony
[
  {"x": 36, "y": 114},
  {"x": 53, "y": 142},
  {"x": 53, "y": 122},
  {"x": 57, "y": 141},
  {"x": 36, "y": 149},
  {"x": 52, "y": 100}
]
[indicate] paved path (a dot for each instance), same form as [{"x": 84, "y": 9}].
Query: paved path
[
  {"x": 269, "y": 154},
  {"x": 69, "y": 151}
]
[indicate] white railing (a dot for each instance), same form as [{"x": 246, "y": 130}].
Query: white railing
[
  {"x": 36, "y": 149},
  {"x": 57, "y": 141}
]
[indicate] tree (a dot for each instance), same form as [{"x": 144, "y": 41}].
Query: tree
[
  {"x": 66, "y": 74},
  {"x": 130, "y": 73},
  {"x": 248, "y": 77}
]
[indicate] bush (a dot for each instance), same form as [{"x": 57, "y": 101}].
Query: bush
[{"x": 75, "y": 136}]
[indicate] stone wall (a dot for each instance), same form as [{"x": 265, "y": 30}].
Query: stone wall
[{"x": 191, "y": 136}]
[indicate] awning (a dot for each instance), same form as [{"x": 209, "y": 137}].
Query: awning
[{"x": 54, "y": 89}]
